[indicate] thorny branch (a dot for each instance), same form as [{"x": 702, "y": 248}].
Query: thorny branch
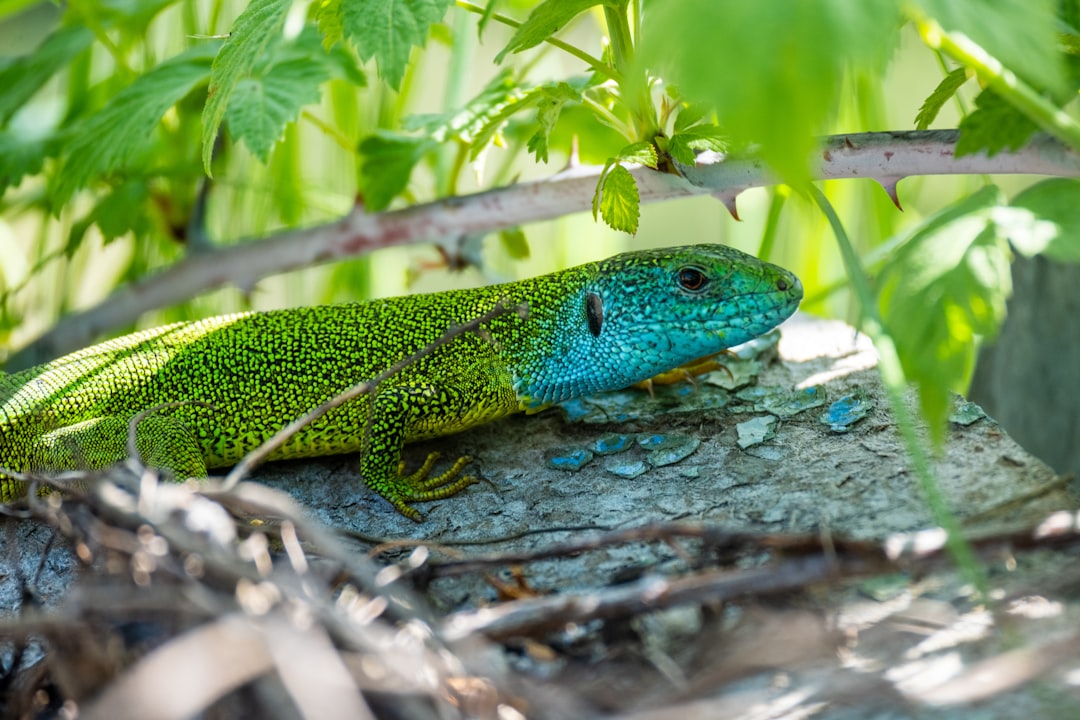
[{"x": 885, "y": 157}]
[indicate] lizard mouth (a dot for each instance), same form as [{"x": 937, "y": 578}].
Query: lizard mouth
[{"x": 766, "y": 314}]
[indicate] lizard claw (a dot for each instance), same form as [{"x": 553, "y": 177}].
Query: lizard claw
[{"x": 418, "y": 487}]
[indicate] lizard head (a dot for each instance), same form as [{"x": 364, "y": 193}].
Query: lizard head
[
  {"x": 686, "y": 302},
  {"x": 642, "y": 313}
]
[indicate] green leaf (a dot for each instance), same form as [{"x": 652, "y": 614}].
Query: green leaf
[
  {"x": 344, "y": 64},
  {"x": 945, "y": 90},
  {"x": 642, "y": 153},
  {"x": 993, "y": 126},
  {"x": 340, "y": 60},
  {"x": 619, "y": 200},
  {"x": 595, "y": 141},
  {"x": 254, "y": 29},
  {"x": 485, "y": 18},
  {"x": 27, "y": 74},
  {"x": 771, "y": 69},
  {"x": 481, "y": 117},
  {"x": 1022, "y": 34},
  {"x": 122, "y": 211},
  {"x": 683, "y": 146},
  {"x": 944, "y": 289},
  {"x": 388, "y": 161},
  {"x": 600, "y": 186},
  {"x": 549, "y": 105},
  {"x": 328, "y": 19},
  {"x": 544, "y": 21},
  {"x": 19, "y": 157},
  {"x": 1048, "y": 221},
  {"x": 689, "y": 115},
  {"x": 261, "y": 106},
  {"x": 387, "y": 30},
  {"x": 514, "y": 243},
  {"x": 109, "y": 138}
]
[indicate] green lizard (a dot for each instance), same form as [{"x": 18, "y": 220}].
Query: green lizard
[{"x": 215, "y": 389}]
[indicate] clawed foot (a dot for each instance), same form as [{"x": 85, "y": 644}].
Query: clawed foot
[{"x": 418, "y": 487}]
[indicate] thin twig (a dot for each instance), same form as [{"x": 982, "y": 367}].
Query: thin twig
[{"x": 833, "y": 561}]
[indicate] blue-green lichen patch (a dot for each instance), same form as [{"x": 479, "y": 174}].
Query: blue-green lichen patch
[
  {"x": 568, "y": 458},
  {"x": 673, "y": 449},
  {"x": 756, "y": 431},
  {"x": 654, "y": 441},
  {"x": 623, "y": 406},
  {"x": 847, "y": 411},
  {"x": 966, "y": 412},
  {"x": 757, "y": 398},
  {"x": 628, "y": 469},
  {"x": 660, "y": 449},
  {"x": 744, "y": 362},
  {"x": 611, "y": 443},
  {"x": 795, "y": 402},
  {"x": 667, "y": 448}
]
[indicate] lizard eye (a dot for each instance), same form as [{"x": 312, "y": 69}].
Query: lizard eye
[{"x": 692, "y": 279}]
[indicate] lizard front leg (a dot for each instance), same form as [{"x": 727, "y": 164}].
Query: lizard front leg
[{"x": 394, "y": 411}]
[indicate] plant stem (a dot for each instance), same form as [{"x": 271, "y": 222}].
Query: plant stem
[
  {"x": 244, "y": 262},
  {"x": 1004, "y": 82},
  {"x": 892, "y": 377},
  {"x": 596, "y": 64},
  {"x": 609, "y": 118},
  {"x": 634, "y": 87},
  {"x": 460, "y": 156},
  {"x": 461, "y": 53},
  {"x": 346, "y": 144}
]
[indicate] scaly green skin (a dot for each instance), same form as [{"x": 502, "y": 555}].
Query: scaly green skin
[{"x": 240, "y": 378}]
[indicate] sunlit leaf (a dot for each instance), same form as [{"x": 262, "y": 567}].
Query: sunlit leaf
[
  {"x": 1050, "y": 224},
  {"x": 937, "y": 99},
  {"x": 549, "y": 105},
  {"x": 480, "y": 118},
  {"x": 328, "y": 19},
  {"x": 642, "y": 153},
  {"x": 619, "y": 201},
  {"x": 112, "y": 136},
  {"x": 771, "y": 69},
  {"x": 1022, "y": 34},
  {"x": 544, "y": 21},
  {"x": 388, "y": 30},
  {"x": 514, "y": 243},
  {"x": 19, "y": 157},
  {"x": 263, "y": 104},
  {"x": 993, "y": 126},
  {"x": 254, "y": 29},
  {"x": 388, "y": 161},
  {"x": 945, "y": 288},
  {"x": 24, "y": 76},
  {"x": 683, "y": 146}
]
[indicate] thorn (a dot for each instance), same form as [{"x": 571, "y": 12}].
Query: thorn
[
  {"x": 728, "y": 198},
  {"x": 574, "y": 159},
  {"x": 889, "y": 184}
]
